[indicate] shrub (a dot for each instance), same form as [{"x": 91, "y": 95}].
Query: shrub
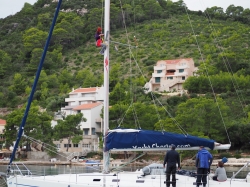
[
  {"x": 227, "y": 155},
  {"x": 193, "y": 95},
  {"x": 66, "y": 59},
  {"x": 237, "y": 155}
]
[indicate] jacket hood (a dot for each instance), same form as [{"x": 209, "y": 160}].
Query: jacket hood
[{"x": 203, "y": 151}]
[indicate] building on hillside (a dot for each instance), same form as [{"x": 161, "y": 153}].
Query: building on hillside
[
  {"x": 169, "y": 75},
  {"x": 2, "y": 127},
  {"x": 91, "y": 129},
  {"x": 89, "y": 102},
  {"x": 82, "y": 96}
]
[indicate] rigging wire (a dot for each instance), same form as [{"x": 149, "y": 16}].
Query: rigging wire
[
  {"x": 152, "y": 94},
  {"x": 130, "y": 51},
  {"x": 226, "y": 63},
  {"x": 102, "y": 13},
  {"x": 210, "y": 82},
  {"x": 129, "y": 46},
  {"x": 52, "y": 148}
]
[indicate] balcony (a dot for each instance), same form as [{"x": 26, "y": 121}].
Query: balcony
[
  {"x": 183, "y": 67},
  {"x": 181, "y": 74},
  {"x": 159, "y": 67},
  {"x": 172, "y": 73},
  {"x": 98, "y": 130},
  {"x": 155, "y": 82},
  {"x": 93, "y": 98},
  {"x": 158, "y": 74},
  {"x": 98, "y": 120},
  {"x": 87, "y": 136}
]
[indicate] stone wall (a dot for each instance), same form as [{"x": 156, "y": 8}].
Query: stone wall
[
  {"x": 38, "y": 156},
  {"x": 43, "y": 156}
]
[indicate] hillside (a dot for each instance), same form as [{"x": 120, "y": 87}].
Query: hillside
[{"x": 218, "y": 43}]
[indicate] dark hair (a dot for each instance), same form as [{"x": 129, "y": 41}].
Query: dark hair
[
  {"x": 173, "y": 146},
  {"x": 220, "y": 164}
]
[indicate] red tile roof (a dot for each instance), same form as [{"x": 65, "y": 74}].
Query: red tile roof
[
  {"x": 84, "y": 90},
  {"x": 2, "y": 122},
  {"x": 176, "y": 61},
  {"x": 87, "y": 106}
]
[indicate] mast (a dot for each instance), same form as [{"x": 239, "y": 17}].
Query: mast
[{"x": 106, "y": 85}]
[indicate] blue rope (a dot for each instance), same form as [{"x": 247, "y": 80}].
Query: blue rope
[{"x": 21, "y": 128}]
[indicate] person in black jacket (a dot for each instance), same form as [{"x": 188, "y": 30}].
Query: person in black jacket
[{"x": 171, "y": 159}]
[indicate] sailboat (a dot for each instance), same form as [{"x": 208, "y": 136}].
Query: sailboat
[{"x": 119, "y": 140}]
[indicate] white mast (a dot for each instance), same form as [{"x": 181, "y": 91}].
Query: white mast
[{"x": 106, "y": 85}]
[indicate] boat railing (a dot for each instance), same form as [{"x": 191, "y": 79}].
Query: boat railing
[
  {"x": 21, "y": 171},
  {"x": 235, "y": 174}
]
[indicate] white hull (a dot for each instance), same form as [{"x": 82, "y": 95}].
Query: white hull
[{"x": 122, "y": 179}]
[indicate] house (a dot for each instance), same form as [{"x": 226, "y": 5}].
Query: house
[
  {"x": 169, "y": 75},
  {"x": 2, "y": 126},
  {"x": 82, "y": 96},
  {"x": 89, "y": 102}
]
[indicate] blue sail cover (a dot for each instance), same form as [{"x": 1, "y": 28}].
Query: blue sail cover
[{"x": 146, "y": 139}]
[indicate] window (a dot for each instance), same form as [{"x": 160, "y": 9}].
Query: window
[
  {"x": 183, "y": 78},
  {"x": 159, "y": 71},
  {"x": 58, "y": 145},
  {"x": 86, "y": 131},
  {"x": 75, "y": 145},
  {"x": 181, "y": 70},
  {"x": 157, "y": 79},
  {"x": 93, "y": 131},
  {"x": 65, "y": 145},
  {"x": 169, "y": 78},
  {"x": 85, "y": 145}
]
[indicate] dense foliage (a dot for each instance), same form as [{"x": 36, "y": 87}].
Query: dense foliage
[{"x": 217, "y": 41}]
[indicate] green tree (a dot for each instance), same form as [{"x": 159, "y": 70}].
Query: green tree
[
  {"x": 19, "y": 84},
  {"x": 34, "y": 38},
  {"x": 5, "y": 63},
  {"x": 27, "y": 9},
  {"x": 118, "y": 94},
  {"x": 201, "y": 115},
  {"x": 152, "y": 9},
  {"x": 37, "y": 126},
  {"x": 69, "y": 129}
]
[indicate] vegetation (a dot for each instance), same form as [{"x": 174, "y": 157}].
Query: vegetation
[{"x": 163, "y": 30}]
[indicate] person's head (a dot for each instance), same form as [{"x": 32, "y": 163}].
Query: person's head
[
  {"x": 220, "y": 164},
  {"x": 173, "y": 147},
  {"x": 99, "y": 29},
  {"x": 201, "y": 147}
]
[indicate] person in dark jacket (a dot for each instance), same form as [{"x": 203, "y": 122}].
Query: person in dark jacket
[
  {"x": 203, "y": 162},
  {"x": 99, "y": 40},
  {"x": 171, "y": 159}
]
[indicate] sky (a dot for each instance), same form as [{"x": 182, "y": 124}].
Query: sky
[{"x": 11, "y": 7}]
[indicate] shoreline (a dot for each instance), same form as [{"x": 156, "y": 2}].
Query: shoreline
[{"x": 233, "y": 162}]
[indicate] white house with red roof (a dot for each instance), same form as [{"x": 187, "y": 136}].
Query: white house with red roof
[
  {"x": 2, "y": 126},
  {"x": 81, "y": 96},
  {"x": 169, "y": 75},
  {"x": 89, "y": 102}
]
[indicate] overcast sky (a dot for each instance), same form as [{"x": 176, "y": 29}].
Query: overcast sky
[{"x": 10, "y": 7}]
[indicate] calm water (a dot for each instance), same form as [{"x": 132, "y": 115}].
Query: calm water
[{"x": 55, "y": 169}]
